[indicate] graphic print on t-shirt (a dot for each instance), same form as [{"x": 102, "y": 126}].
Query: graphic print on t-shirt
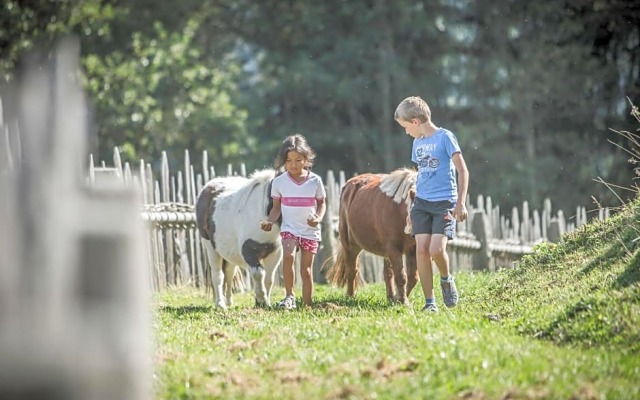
[{"x": 426, "y": 161}]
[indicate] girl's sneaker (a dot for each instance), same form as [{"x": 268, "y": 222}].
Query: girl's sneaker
[{"x": 289, "y": 303}]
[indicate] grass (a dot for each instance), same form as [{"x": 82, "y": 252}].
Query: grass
[{"x": 564, "y": 324}]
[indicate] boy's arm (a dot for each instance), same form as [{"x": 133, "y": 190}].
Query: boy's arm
[{"x": 460, "y": 212}]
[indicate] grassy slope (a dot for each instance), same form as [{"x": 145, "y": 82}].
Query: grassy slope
[
  {"x": 564, "y": 325},
  {"x": 583, "y": 291}
]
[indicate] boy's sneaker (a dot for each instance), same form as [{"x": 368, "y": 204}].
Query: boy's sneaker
[
  {"x": 430, "y": 308},
  {"x": 289, "y": 303},
  {"x": 449, "y": 292}
]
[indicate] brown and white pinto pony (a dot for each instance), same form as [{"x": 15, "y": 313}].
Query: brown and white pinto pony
[
  {"x": 373, "y": 214},
  {"x": 228, "y": 214}
]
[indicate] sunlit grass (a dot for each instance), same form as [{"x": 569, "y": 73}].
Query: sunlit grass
[{"x": 565, "y": 324}]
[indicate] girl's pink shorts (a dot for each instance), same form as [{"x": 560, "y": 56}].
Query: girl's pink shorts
[{"x": 306, "y": 244}]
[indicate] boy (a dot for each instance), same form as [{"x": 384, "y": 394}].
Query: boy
[{"x": 440, "y": 199}]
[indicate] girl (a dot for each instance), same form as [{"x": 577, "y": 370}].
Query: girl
[{"x": 299, "y": 195}]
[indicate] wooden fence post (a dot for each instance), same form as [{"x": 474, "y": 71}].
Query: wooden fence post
[
  {"x": 553, "y": 231},
  {"x": 76, "y": 326},
  {"x": 170, "y": 271},
  {"x": 481, "y": 229}
]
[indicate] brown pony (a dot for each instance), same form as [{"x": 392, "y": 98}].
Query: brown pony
[{"x": 373, "y": 212}]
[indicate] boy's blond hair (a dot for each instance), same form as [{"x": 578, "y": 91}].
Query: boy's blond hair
[{"x": 413, "y": 107}]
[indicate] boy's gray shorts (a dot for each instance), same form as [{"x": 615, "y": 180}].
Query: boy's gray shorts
[{"x": 433, "y": 217}]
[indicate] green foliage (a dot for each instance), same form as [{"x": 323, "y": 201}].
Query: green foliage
[
  {"x": 25, "y": 24},
  {"x": 167, "y": 95},
  {"x": 529, "y": 88}
]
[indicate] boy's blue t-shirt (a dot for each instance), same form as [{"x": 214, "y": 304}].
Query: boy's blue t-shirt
[{"x": 436, "y": 172}]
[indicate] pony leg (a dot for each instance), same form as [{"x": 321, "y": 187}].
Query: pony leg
[
  {"x": 271, "y": 266},
  {"x": 412, "y": 271},
  {"x": 215, "y": 261},
  {"x": 400, "y": 276},
  {"x": 258, "y": 277},
  {"x": 229, "y": 273},
  {"x": 352, "y": 265},
  {"x": 388, "y": 280},
  {"x": 252, "y": 253},
  {"x": 257, "y": 273}
]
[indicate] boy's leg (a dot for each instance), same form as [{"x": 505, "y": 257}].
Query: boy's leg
[
  {"x": 422, "y": 221},
  {"x": 444, "y": 228},
  {"x": 306, "y": 263},
  {"x": 438, "y": 251},
  {"x": 423, "y": 262}
]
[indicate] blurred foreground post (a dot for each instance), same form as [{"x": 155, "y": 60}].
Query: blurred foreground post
[{"x": 73, "y": 281}]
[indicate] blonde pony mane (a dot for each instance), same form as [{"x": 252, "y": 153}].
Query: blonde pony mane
[
  {"x": 258, "y": 179},
  {"x": 397, "y": 184},
  {"x": 263, "y": 175}
]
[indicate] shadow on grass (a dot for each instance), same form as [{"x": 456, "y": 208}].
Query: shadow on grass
[
  {"x": 186, "y": 310},
  {"x": 605, "y": 259},
  {"x": 341, "y": 300},
  {"x": 613, "y": 254},
  {"x": 631, "y": 274}
]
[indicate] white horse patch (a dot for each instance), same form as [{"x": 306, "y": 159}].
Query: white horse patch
[{"x": 228, "y": 213}]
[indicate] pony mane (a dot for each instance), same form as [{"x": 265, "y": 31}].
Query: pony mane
[
  {"x": 259, "y": 179},
  {"x": 263, "y": 175},
  {"x": 397, "y": 184}
]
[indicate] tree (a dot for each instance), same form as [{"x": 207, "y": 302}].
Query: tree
[{"x": 167, "y": 94}]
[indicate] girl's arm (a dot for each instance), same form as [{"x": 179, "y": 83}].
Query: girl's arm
[
  {"x": 321, "y": 208},
  {"x": 276, "y": 210}
]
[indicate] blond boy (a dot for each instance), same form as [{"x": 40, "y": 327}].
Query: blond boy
[{"x": 441, "y": 190}]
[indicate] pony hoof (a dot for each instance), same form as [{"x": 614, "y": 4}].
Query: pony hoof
[
  {"x": 221, "y": 306},
  {"x": 399, "y": 301},
  {"x": 262, "y": 304},
  {"x": 404, "y": 301}
]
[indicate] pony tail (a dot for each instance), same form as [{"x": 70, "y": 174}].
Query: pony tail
[{"x": 337, "y": 273}]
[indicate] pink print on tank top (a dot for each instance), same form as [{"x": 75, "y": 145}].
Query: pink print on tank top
[{"x": 298, "y": 201}]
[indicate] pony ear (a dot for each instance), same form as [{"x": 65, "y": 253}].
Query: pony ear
[{"x": 412, "y": 194}]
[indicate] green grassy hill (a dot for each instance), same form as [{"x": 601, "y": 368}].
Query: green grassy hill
[
  {"x": 583, "y": 291},
  {"x": 565, "y": 324}
]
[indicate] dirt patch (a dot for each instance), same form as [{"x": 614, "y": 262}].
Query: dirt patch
[
  {"x": 384, "y": 369},
  {"x": 346, "y": 392},
  {"x": 241, "y": 346},
  {"x": 216, "y": 335},
  {"x": 329, "y": 307}
]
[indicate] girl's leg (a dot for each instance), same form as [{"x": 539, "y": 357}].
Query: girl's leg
[
  {"x": 306, "y": 275},
  {"x": 289, "y": 247}
]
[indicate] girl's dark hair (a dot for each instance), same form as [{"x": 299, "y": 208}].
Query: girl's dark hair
[{"x": 299, "y": 144}]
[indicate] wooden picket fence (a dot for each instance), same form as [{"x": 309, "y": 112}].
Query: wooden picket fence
[{"x": 488, "y": 240}]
